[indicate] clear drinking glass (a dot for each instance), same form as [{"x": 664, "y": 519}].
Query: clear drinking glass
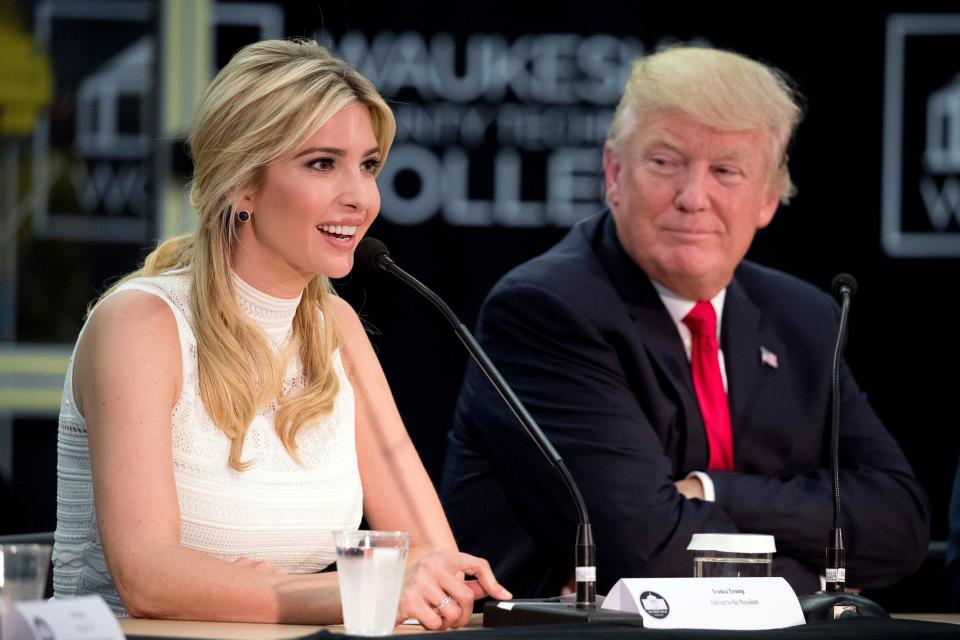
[
  {"x": 732, "y": 555},
  {"x": 23, "y": 574},
  {"x": 370, "y": 567}
]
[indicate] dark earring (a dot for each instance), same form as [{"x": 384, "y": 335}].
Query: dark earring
[{"x": 243, "y": 215}]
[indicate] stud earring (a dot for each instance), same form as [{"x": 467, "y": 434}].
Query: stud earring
[{"x": 243, "y": 215}]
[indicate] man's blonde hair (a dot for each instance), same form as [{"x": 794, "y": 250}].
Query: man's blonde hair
[{"x": 720, "y": 89}]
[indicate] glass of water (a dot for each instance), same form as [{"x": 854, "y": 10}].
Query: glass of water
[
  {"x": 23, "y": 574},
  {"x": 732, "y": 555},
  {"x": 370, "y": 567},
  {"x": 23, "y": 571}
]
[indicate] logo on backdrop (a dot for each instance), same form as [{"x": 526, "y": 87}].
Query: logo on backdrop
[
  {"x": 494, "y": 132},
  {"x": 921, "y": 147},
  {"x": 654, "y": 604},
  {"x": 93, "y": 151}
]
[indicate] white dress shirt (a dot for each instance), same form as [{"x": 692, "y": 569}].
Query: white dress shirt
[{"x": 678, "y": 308}]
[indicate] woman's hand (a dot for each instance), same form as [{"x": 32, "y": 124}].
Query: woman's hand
[{"x": 436, "y": 593}]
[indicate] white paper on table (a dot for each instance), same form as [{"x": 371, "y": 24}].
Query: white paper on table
[
  {"x": 84, "y": 618},
  {"x": 708, "y": 603}
]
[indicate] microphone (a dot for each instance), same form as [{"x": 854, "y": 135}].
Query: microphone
[
  {"x": 843, "y": 285},
  {"x": 374, "y": 254},
  {"x": 834, "y": 603}
]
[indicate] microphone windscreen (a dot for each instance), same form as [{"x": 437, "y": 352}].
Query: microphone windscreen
[
  {"x": 371, "y": 251},
  {"x": 842, "y": 280}
]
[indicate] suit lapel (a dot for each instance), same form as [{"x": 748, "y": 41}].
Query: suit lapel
[
  {"x": 744, "y": 340},
  {"x": 659, "y": 336}
]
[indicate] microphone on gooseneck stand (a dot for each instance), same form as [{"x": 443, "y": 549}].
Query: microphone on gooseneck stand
[
  {"x": 373, "y": 253},
  {"x": 834, "y": 603}
]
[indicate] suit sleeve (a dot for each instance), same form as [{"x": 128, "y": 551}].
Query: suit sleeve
[
  {"x": 572, "y": 379},
  {"x": 885, "y": 511}
]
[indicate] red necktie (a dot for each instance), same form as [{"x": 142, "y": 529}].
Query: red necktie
[{"x": 707, "y": 381}]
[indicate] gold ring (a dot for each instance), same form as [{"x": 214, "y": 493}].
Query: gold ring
[{"x": 442, "y": 604}]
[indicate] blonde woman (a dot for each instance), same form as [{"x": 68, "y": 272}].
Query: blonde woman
[{"x": 224, "y": 412}]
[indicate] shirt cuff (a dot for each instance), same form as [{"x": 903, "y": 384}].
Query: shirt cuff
[{"x": 709, "y": 493}]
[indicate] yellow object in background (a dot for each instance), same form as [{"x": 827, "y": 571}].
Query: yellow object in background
[{"x": 26, "y": 84}]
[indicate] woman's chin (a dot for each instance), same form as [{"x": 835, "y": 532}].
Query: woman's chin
[{"x": 339, "y": 270}]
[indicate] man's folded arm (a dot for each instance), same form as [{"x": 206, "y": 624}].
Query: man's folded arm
[{"x": 885, "y": 511}]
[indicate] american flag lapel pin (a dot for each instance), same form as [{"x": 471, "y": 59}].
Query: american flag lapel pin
[{"x": 769, "y": 358}]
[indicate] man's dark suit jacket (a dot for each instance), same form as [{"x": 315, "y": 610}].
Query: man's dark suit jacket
[{"x": 583, "y": 338}]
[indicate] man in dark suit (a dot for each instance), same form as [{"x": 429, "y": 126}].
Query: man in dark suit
[
  {"x": 686, "y": 389},
  {"x": 952, "y": 568}
]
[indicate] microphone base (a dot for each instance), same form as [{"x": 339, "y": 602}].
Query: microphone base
[
  {"x": 823, "y": 606},
  {"x": 537, "y": 611}
]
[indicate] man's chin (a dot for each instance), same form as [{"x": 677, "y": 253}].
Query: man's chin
[{"x": 694, "y": 280}]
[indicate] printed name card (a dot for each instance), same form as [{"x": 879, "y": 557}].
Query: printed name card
[
  {"x": 86, "y": 618},
  {"x": 708, "y": 603}
]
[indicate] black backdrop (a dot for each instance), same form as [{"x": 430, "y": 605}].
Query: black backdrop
[
  {"x": 836, "y": 55},
  {"x": 901, "y": 343}
]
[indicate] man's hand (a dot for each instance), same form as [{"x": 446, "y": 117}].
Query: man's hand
[{"x": 690, "y": 488}]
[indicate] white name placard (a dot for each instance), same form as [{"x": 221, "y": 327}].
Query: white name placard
[
  {"x": 708, "y": 603},
  {"x": 86, "y": 618}
]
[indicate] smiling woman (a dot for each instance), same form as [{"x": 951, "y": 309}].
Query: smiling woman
[{"x": 203, "y": 470}]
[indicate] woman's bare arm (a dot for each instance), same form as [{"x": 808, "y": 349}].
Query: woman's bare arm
[
  {"x": 127, "y": 378},
  {"x": 398, "y": 493}
]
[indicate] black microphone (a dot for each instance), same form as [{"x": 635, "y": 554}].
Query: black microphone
[
  {"x": 843, "y": 284},
  {"x": 373, "y": 253},
  {"x": 834, "y": 603}
]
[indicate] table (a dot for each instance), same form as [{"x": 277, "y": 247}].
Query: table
[
  {"x": 949, "y": 618},
  {"x": 215, "y": 630},
  {"x": 247, "y": 630},
  {"x": 253, "y": 631}
]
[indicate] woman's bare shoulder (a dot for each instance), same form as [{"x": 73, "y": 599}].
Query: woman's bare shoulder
[
  {"x": 348, "y": 322},
  {"x": 142, "y": 317},
  {"x": 130, "y": 339}
]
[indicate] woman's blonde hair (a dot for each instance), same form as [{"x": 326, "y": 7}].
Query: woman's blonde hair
[
  {"x": 718, "y": 88},
  {"x": 262, "y": 105}
]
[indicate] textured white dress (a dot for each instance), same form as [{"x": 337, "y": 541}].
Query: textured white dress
[{"x": 276, "y": 510}]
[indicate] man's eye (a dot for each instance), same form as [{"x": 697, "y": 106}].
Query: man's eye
[
  {"x": 726, "y": 171},
  {"x": 661, "y": 162}
]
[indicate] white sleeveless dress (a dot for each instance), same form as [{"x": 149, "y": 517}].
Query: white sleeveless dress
[{"x": 276, "y": 510}]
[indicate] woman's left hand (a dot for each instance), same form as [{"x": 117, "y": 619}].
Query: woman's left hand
[{"x": 436, "y": 593}]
